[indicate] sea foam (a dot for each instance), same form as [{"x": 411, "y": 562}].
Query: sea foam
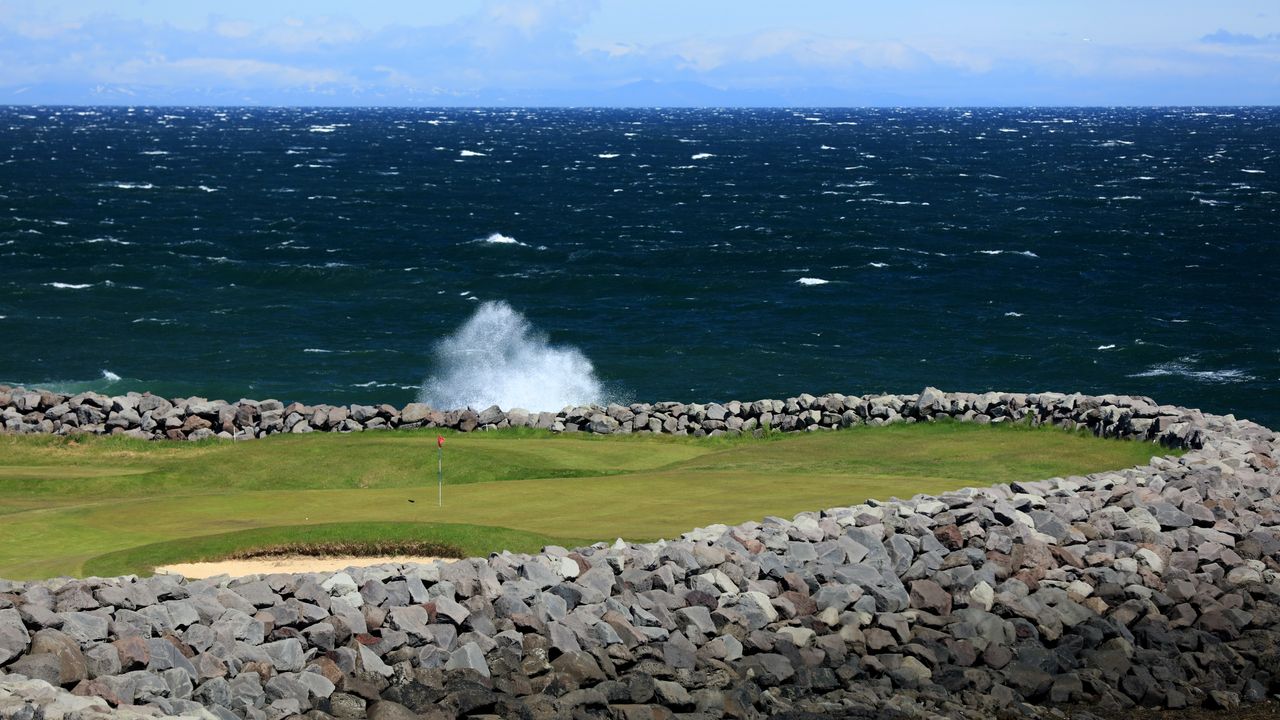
[
  {"x": 1184, "y": 369},
  {"x": 500, "y": 239},
  {"x": 498, "y": 358}
]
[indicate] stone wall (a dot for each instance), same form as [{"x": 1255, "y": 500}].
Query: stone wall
[
  {"x": 1157, "y": 585},
  {"x": 148, "y": 416}
]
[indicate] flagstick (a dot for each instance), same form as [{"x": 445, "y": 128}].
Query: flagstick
[{"x": 440, "y": 476}]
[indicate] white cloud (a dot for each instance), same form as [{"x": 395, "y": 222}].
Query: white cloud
[
  {"x": 509, "y": 47},
  {"x": 237, "y": 72}
]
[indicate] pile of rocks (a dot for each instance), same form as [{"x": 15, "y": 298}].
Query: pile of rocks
[
  {"x": 1157, "y": 585},
  {"x": 151, "y": 417}
]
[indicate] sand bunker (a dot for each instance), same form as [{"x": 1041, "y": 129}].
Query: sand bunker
[{"x": 285, "y": 564}]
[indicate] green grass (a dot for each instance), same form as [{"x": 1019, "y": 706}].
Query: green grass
[{"x": 114, "y": 505}]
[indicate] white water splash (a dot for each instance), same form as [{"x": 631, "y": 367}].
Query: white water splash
[
  {"x": 110, "y": 376},
  {"x": 500, "y": 239},
  {"x": 498, "y": 358}
]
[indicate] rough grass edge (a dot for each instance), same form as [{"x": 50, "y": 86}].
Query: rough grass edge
[{"x": 452, "y": 540}]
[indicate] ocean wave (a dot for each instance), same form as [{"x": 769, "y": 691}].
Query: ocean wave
[
  {"x": 376, "y": 384},
  {"x": 498, "y": 358},
  {"x": 500, "y": 239},
  {"x": 607, "y": 156},
  {"x": 1107, "y": 347},
  {"x": 130, "y": 185},
  {"x": 1024, "y": 253},
  {"x": 110, "y": 376},
  {"x": 811, "y": 281},
  {"x": 1183, "y": 369},
  {"x": 701, "y": 156},
  {"x": 69, "y": 286},
  {"x": 471, "y": 153}
]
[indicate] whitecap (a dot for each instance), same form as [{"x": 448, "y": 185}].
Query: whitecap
[
  {"x": 825, "y": 147},
  {"x": 500, "y": 239},
  {"x": 1182, "y": 369},
  {"x": 809, "y": 281},
  {"x": 110, "y": 376},
  {"x": 1012, "y": 313},
  {"x": 1107, "y": 347},
  {"x": 607, "y": 156},
  {"x": 132, "y": 185},
  {"x": 701, "y": 156},
  {"x": 155, "y": 152},
  {"x": 206, "y": 188},
  {"x": 878, "y": 264},
  {"x": 69, "y": 286},
  {"x": 471, "y": 153},
  {"x": 1253, "y": 172},
  {"x": 316, "y": 350},
  {"x": 1025, "y": 253}
]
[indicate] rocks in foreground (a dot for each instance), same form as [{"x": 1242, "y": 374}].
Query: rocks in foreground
[{"x": 1157, "y": 585}]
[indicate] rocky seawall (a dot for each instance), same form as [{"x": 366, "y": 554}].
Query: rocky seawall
[
  {"x": 151, "y": 417},
  {"x": 1157, "y": 585}
]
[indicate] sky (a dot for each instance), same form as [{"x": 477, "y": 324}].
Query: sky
[{"x": 640, "y": 52}]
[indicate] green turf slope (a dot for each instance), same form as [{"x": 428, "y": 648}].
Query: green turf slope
[{"x": 113, "y": 505}]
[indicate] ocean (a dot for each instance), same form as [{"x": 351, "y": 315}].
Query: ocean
[{"x": 539, "y": 257}]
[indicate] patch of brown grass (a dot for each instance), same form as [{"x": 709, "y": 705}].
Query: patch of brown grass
[{"x": 350, "y": 549}]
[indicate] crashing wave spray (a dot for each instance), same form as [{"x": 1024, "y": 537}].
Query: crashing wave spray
[{"x": 498, "y": 358}]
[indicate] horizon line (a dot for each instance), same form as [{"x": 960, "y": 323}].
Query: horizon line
[{"x": 273, "y": 106}]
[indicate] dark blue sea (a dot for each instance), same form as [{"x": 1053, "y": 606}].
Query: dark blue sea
[{"x": 544, "y": 256}]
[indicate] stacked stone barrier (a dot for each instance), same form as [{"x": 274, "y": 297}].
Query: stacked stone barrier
[
  {"x": 1156, "y": 585},
  {"x": 151, "y": 417}
]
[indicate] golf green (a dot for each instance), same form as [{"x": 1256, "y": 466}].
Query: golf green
[{"x": 97, "y": 505}]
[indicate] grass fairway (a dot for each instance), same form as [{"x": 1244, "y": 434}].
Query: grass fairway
[{"x": 112, "y": 505}]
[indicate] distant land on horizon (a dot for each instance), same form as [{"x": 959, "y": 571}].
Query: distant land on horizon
[{"x": 645, "y": 93}]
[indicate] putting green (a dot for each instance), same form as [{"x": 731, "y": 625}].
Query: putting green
[{"x": 112, "y": 505}]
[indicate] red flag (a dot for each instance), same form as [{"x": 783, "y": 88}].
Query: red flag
[{"x": 439, "y": 441}]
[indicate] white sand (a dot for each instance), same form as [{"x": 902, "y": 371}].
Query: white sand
[{"x": 284, "y": 564}]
